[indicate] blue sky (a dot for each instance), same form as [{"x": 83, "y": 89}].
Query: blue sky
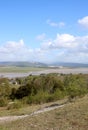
[{"x": 44, "y": 30}]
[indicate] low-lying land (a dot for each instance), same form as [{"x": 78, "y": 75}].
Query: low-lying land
[
  {"x": 16, "y": 69},
  {"x": 13, "y": 71}
]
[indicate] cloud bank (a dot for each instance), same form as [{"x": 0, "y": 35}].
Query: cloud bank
[{"x": 64, "y": 47}]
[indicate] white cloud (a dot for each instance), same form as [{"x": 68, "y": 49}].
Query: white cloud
[
  {"x": 55, "y": 24},
  {"x": 69, "y": 47},
  {"x": 69, "y": 43},
  {"x": 84, "y": 22},
  {"x": 64, "y": 41},
  {"x": 13, "y": 46},
  {"x": 41, "y": 37},
  {"x": 64, "y": 47},
  {"x": 19, "y": 51}
]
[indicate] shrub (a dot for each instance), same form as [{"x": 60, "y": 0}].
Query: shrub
[
  {"x": 13, "y": 93},
  {"x": 50, "y": 87},
  {"x": 3, "y": 102},
  {"x": 5, "y": 89},
  {"x": 58, "y": 94},
  {"x": 40, "y": 97},
  {"x": 14, "y": 105}
]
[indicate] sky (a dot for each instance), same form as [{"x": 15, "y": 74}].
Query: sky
[{"x": 44, "y": 30}]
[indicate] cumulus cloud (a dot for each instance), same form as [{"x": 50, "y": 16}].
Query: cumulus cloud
[
  {"x": 69, "y": 43},
  {"x": 64, "y": 47},
  {"x": 55, "y": 24},
  {"x": 69, "y": 47},
  {"x": 64, "y": 41},
  {"x": 84, "y": 22},
  {"x": 19, "y": 51}
]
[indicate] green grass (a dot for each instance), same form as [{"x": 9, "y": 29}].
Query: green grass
[
  {"x": 73, "y": 116},
  {"x": 19, "y": 69}
]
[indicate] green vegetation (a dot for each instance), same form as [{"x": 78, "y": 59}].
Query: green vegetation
[
  {"x": 5, "y": 91},
  {"x": 51, "y": 87},
  {"x": 41, "y": 89},
  {"x": 25, "y": 95}
]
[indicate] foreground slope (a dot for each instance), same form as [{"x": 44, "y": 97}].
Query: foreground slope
[{"x": 73, "y": 116}]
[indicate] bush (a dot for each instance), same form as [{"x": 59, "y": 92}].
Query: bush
[
  {"x": 13, "y": 93},
  {"x": 58, "y": 94},
  {"x": 5, "y": 89},
  {"x": 40, "y": 97},
  {"x": 3, "y": 102},
  {"x": 14, "y": 105},
  {"x": 50, "y": 87}
]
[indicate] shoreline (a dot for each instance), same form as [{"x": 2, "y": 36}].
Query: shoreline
[{"x": 47, "y": 71}]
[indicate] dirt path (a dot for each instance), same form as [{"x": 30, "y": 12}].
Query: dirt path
[{"x": 13, "y": 118}]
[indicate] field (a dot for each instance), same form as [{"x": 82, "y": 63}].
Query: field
[
  {"x": 14, "y": 69},
  {"x": 72, "y": 116}
]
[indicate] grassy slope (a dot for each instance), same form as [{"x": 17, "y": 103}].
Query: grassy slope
[
  {"x": 27, "y": 109},
  {"x": 73, "y": 116}
]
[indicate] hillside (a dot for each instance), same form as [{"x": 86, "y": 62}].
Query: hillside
[
  {"x": 68, "y": 64},
  {"x": 73, "y": 116},
  {"x": 40, "y": 64},
  {"x": 23, "y": 64}
]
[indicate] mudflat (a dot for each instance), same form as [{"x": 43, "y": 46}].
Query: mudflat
[{"x": 45, "y": 71}]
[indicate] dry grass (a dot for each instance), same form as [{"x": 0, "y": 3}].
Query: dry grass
[
  {"x": 20, "y": 111},
  {"x": 27, "y": 109},
  {"x": 73, "y": 116}
]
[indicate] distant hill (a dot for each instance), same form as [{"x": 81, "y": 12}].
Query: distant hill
[
  {"x": 57, "y": 64},
  {"x": 39, "y": 64},
  {"x": 23, "y": 64}
]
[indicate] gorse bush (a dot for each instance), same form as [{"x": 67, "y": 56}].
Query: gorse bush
[
  {"x": 76, "y": 85},
  {"x": 58, "y": 94},
  {"x": 5, "y": 89},
  {"x": 39, "y": 98},
  {"x": 3, "y": 101},
  {"x": 51, "y": 87},
  {"x": 43, "y": 88},
  {"x": 34, "y": 85}
]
